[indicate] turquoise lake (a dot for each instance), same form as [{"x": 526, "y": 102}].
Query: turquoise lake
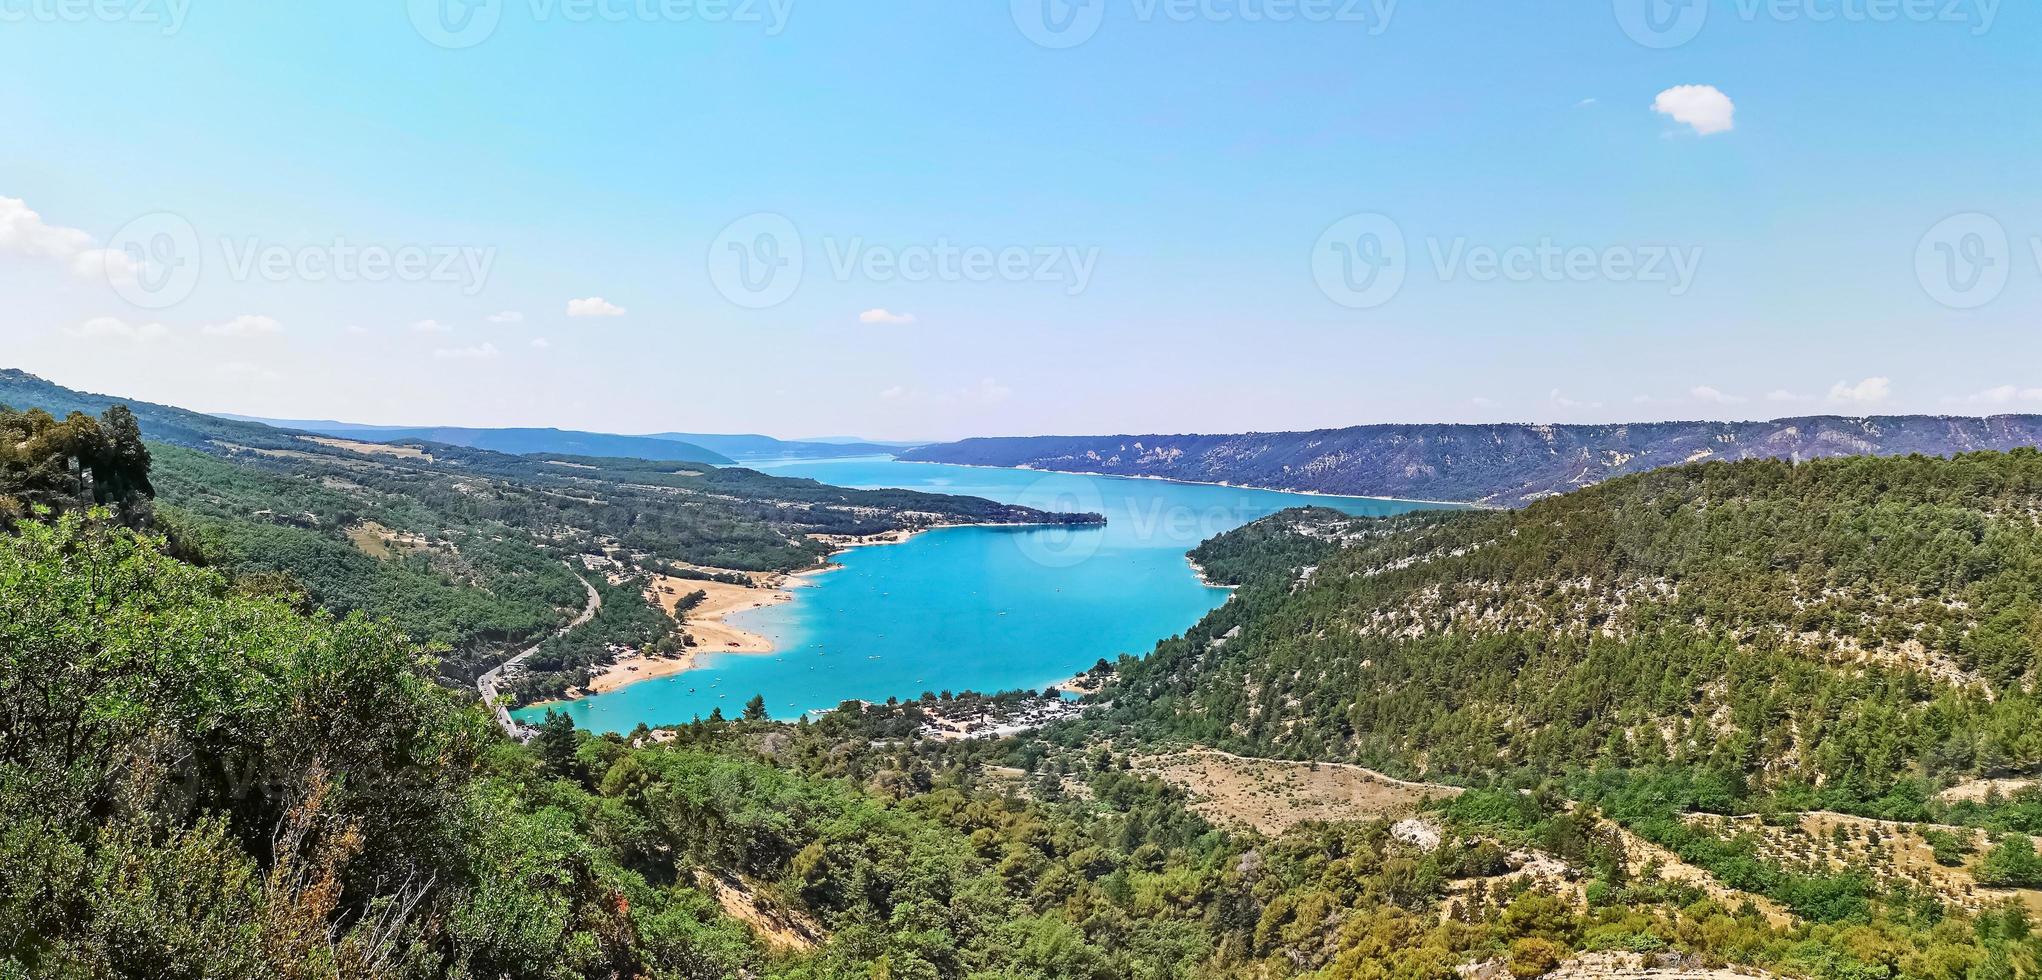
[{"x": 969, "y": 608}]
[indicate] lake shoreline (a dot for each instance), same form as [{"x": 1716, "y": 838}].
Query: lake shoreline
[
  {"x": 712, "y": 623},
  {"x": 1205, "y": 483}
]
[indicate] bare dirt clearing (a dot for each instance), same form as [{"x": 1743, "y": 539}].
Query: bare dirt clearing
[{"x": 1274, "y": 795}]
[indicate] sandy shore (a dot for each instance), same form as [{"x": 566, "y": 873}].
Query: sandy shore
[{"x": 704, "y": 623}]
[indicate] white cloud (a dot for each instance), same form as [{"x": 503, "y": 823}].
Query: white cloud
[
  {"x": 895, "y": 393},
  {"x": 431, "y": 326},
  {"x": 1783, "y": 395},
  {"x": 991, "y": 391},
  {"x": 356, "y": 330},
  {"x": 1708, "y": 394},
  {"x": 885, "y": 316},
  {"x": 1870, "y": 391},
  {"x": 1565, "y": 402},
  {"x": 2002, "y": 395},
  {"x": 480, "y": 352},
  {"x": 541, "y": 343},
  {"x": 114, "y": 328},
  {"x": 24, "y": 232},
  {"x": 1584, "y": 103},
  {"x": 593, "y": 306},
  {"x": 1483, "y": 401},
  {"x": 1703, "y": 107},
  {"x": 245, "y": 325},
  {"x": 507, "y": 316}
]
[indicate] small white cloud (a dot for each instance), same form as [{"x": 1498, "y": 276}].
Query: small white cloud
[
  {"x": 480, "y": 352},
  {"x": 430, "y": 326},
  {"x": 885, "y": 316},
  {"x": 991, "y": 391},
  {"x": 1783, "y": 395},
  {"x": 593, "y": 306},
  {"x": 246, "y": 325},
  {"x": 507, "y": 316},
  {"x": 1483, "y": 401},
  {"x": 1870, "y": 391},
  {"x": 2002, "y": 395},
  {"x": 895, "y": 393},
  {"x": 356, "y": 330},
  {"x": 115, "y": 328},
  {"x": 1584, "y": 103},
  {"x": 1563, "y": 401},
  {"x": 1708, "y": 394},
  {"x": 541, "y": 343},
  {"x": 1702, "y": 107}
]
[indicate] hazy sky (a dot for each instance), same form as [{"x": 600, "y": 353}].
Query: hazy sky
[{"x": 938, "y": 218}]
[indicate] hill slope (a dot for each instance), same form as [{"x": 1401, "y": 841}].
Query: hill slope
[
  {"x": 1860, "y": 631},
  {"x": 517, "y": 442},
  {"x": 472, "y": 548},
  {"x": 1504, "y": 465}
]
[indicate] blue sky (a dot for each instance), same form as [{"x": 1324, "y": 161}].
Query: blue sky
[{"x": 1137, "y": 225}]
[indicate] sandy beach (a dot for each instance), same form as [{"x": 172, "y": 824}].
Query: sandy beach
[{"x": 704, "y": 623}]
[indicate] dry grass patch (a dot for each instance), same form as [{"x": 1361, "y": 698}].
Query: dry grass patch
[{"x": 1274, "y": 795}]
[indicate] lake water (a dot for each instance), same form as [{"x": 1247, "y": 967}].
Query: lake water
[{"x": 969, "y": 608}]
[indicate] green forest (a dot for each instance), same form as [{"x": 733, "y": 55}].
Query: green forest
[{"x": 211, "y": 768}]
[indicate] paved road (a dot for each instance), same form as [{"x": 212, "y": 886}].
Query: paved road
[{"x": 488, "y": 681}]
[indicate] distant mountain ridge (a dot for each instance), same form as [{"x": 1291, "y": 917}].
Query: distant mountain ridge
[
  {"x": 1500, "y": 464},
  {"x": 717, "y": 450}
]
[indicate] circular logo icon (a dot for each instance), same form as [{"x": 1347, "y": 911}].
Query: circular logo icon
[
  {"x": 1359, "y": 261},
  {"x": 154, "y": 261},
  {"x": 1662, "y": 24},
  {"x": 1964, "y": 261},
  {"x": 755, "y": 262},
  {"x": 1058, "y": 23},
  {"x": 456, "y": 24},
  {"x": 1062, "y": 546}
]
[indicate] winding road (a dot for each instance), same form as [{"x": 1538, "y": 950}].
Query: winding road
[{"x": 486, "y": 684}]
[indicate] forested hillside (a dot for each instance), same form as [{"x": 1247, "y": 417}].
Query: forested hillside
[
  {"x": 199, "y": 780},
  {"x": 1504, "y": 465},
  {"x": 470, "y": 549},
  {"x": 1854, "y": 634}
]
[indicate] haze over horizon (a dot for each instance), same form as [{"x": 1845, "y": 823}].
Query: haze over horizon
[{"x": 1402, "y": 213}]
